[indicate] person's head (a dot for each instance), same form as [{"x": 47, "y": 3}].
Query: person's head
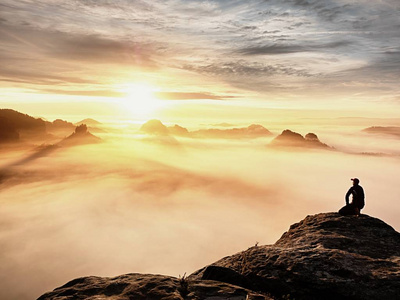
[{"x": 356, "y": 181}]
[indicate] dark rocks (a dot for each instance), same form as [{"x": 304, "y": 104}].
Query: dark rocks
[
  {"x": 14, "y": 124},
  {"x": 325, "y": 256},
  {"x": 156, "y": 127},
  {"x": 147, "y": 287},
  {"x": 250, "y": 132},
  {"x": 8, "y": 132},
  {"x": 59, "y": 125},
  {"x": 226, "y": 275},
  {"x": 81, "y": 136},
  {"x": 289, "y": 138}
]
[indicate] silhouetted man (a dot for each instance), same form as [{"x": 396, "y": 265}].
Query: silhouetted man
[{"x": 357, "y": 202}]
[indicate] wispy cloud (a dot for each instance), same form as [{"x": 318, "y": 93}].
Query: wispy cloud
[
  {"x": 191, "y": 96},
  {"x": 285, "y": 49},
  {"x": 206, "y": 38}
]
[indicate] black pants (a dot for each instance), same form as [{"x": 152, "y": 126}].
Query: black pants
[{"x": 348, "y": 210}]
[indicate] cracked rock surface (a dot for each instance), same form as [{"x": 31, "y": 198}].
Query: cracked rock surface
[{"x": 324, "y": 256}]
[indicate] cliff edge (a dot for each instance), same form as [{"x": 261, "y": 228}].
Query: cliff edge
[{"x": 325, "y": 256}]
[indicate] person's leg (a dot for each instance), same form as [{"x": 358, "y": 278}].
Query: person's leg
[
  {"x": 344, "y": 211},
  {"x": 347, "y": 210},
  {"x": 357, "y": 211}
]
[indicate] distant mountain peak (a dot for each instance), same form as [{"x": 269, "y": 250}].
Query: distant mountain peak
[
  {"x": 156, "y": 127},
  {"x": 89, "y": 122},
  {"x": 290, "y": 138},
  {"x": 80, "y": 136}
]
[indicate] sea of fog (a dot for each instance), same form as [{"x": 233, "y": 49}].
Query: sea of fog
[{"x": 171, "y": 205}]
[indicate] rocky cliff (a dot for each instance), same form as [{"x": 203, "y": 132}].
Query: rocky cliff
[
  {"x": 325, "y": 256},
  {"x": 289, "y": 138},
  {"x": 81, "y": 136}
]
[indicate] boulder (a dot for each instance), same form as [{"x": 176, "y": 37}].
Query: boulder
[{"x": 325, "y": 256}]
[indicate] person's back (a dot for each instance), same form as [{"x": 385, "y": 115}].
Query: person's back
[
  {"x": 358, "y": 195},
  {"x": 357, "y": 202}
]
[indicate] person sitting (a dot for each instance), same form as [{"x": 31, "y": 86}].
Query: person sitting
[{"x": 357, "y": 203}]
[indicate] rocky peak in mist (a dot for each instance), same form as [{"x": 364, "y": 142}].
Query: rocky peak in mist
[
  {"x": 252, "y": 131},
  {"x": 156, "y": 127},
  {"x": 324, "y": 256},
  {"x": 13, "y": 124},
  {"x": 178, "y": 130},
  {"x": 289, "y": 138},
  {"x": 79, "y": 137},
  {"x": 88, "y": 122},
  {"x": 60, "y": 125},
  {"x": 388, "y": 130}
]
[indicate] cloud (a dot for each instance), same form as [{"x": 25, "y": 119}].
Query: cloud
[
  {"x": 132, "y": 206},
  {"x": 80, "y": 47},
  {"x": 78, "y": 42},
  {"x": 90, "y": 93},
  {"x": 191, "y": 96},
  {"x": 286, "y": 49},
  {"x": 41, "y": 77},
  {"x": 243, "y": 68},
  {"x": 327, "y": 10},
  {"x": 101, "y": 50},
  {"x": 37, "y": 58},
  {"x": 385, "y": 63}
]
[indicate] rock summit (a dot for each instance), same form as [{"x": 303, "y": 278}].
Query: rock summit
[{"x": 324, "y": 256}]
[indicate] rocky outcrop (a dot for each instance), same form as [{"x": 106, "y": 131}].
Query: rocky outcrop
[
  {"x": 252, "y": 131},
  {"x": 88, "y": 122},
  {"x": 145, "y": 287},
  {"x": 81, "y": 136},
  {"x": 325, "y": 256},
  {"x": 178, "y": 130},
  {"x": 289, "y": 138},
  {"x": 60, "y": 125},
  {"x": 156, "y": 127},
  {"x": 388, "y": 130}
]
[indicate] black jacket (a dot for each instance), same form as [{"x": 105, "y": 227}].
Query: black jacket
[{"x": 358, "y": 196}]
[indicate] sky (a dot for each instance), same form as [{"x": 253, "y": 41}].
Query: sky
[{"x": 96, "y": 56}]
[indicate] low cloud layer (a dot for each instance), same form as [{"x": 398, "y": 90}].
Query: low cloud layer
[{"x": 131, "y": 204}]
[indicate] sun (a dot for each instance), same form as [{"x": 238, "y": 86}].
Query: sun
[{"x": 140, "y": 99}]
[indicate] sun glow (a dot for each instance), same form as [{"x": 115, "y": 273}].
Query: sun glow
[{"x": 140, "y": 99}]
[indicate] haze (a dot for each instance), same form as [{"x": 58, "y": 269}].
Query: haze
[{"x": 169, "y": 205}]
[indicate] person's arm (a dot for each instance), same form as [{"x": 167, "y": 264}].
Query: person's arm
[{"x": 349, "y": 192}]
